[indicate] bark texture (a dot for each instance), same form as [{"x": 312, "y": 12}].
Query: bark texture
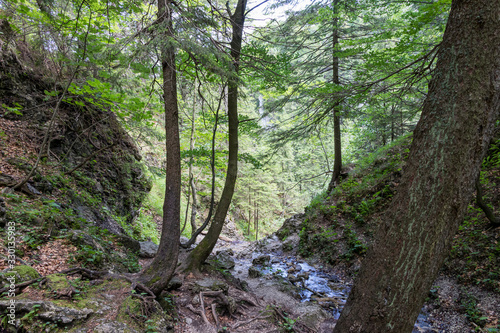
[
  {"x": 449, "y": 144},
  {"x": 157, "y": 275},
  {"x": 337, "y": 142},
  {"x": 203, "y": 250}
]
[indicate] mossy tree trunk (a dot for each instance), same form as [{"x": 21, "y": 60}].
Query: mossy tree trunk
[
  {"x": 449, "y": 144},
  {"x": 157, "y": 275},
  {"x": 205, "y": 247}
]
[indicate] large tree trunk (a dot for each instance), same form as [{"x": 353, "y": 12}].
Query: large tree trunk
[
  {"x": 337, "y": 142},
  {"x": 203, "y": 250},
  {"x": 449, "y": 143},
  {"x": 157, "y": 275}
]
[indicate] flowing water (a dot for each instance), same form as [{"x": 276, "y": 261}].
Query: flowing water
[{"x": 312, "y": 283}]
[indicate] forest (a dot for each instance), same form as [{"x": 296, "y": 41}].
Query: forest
[{"x": 250, "y": 166}]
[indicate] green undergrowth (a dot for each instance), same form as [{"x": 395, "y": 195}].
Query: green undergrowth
[{"x": 338, "y": 227}]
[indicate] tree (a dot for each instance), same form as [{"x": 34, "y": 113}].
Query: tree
[
  {"x": 449, "y": 144},
  {"x": 158, "y": 273},
  {"x": 203, "y": 250}
]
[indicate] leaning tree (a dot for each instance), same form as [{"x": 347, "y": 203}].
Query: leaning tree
[{"x": 449, "y": 144}]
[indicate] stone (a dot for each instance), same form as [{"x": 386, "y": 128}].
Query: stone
[
  {"x": 291, "y": 243},
  {"x": 49, "y": 311},
  {"x": 129, "y": 242},
  {"x": 223, "y": 259},
  {"x": 113, "y": 327},
  {"x": 254, "y": 272},
  {"x": 21, "y": 273},
  {"x": 262, "y": 259},
  {"x": 208, "y": 284},
  {"x": 148, "y": 249},
  {"x": 174, "y": 283}
]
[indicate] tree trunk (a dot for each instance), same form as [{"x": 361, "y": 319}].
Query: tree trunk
[
  {"x": 449, "y": 144},
  {"x": 257, "y": 223},
  {"x": 337, "y": 143},
  {"x": 249, "y": 213},
  {"x": 194, "y": 206},
  {"x": 205, "y": 247},
  {"x": 157, "y": 275}
]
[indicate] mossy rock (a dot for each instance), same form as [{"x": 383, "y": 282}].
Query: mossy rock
[
  {"x": 21, "y": 273},
  {"x": 59, "y": 285}
]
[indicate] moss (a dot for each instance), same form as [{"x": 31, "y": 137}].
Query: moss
[{"x": 22, "y": 273}]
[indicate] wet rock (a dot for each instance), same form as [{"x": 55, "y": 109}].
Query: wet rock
[
  {"x": 148, "y": 249},
  {"x": 254, "y": 272},
  {"x": 262, "y": 259}
]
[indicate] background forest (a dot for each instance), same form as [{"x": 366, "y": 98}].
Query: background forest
[{"x": 106, "y": 53}]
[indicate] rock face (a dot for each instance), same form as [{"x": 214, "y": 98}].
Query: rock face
[
  {"x": 148, "y": 249},
  {"x": 293, "y": 225},
  {"x": 113, "y": 183}
]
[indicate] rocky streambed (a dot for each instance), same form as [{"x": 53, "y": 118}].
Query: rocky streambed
[{"x": 309, "y": 291}]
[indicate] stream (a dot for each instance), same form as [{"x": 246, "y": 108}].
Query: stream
[{"x": 311, "y": 282}]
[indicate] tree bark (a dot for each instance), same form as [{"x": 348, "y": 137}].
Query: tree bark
[
  {"x": 194, "y": 206},
  {"x": 157, "y": 275},
  {"x": 205, "y": 247},
  {"x": 337, "y": 142},
  {"x": 449, "y": 144}
]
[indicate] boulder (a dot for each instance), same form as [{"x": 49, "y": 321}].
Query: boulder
[
  {"x": 148, "y": 249},
  {"x": 49, "y": 311},
  {"x": 254, "y": 272},
  {"x": 262, "y": 259},
  {"x": 21, "y": 273},
  {"x": 223, "y": 259}
]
